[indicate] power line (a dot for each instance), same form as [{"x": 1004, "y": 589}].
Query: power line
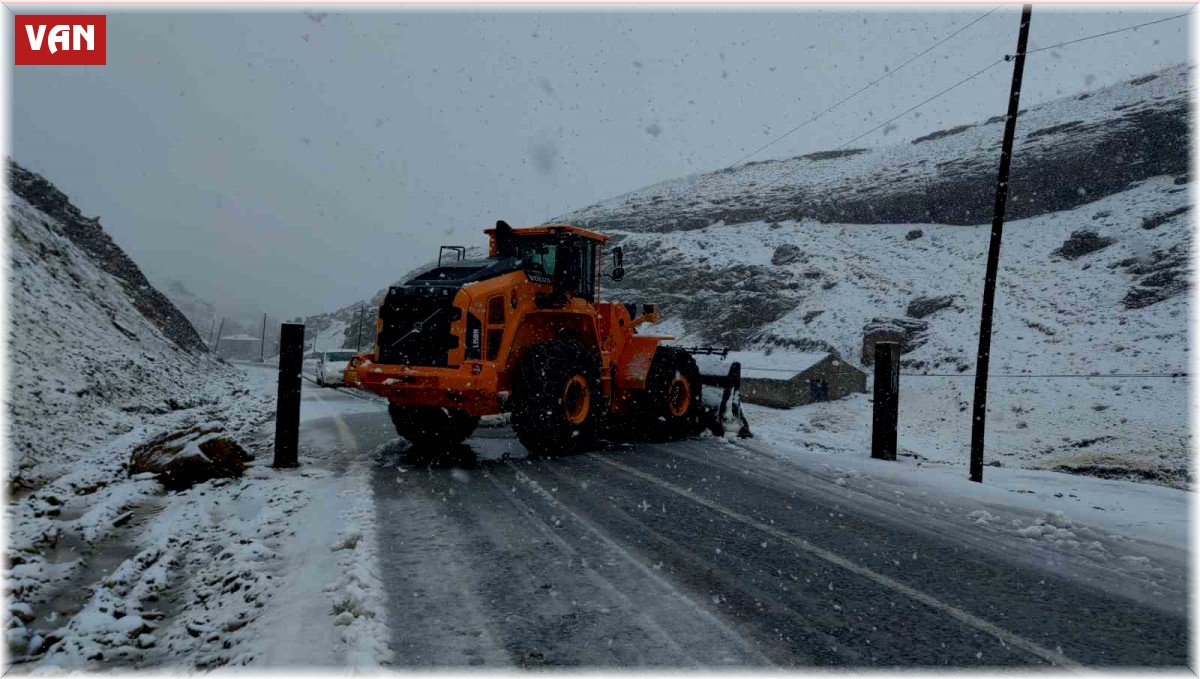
[
  {"x": 864, "y": 88},
  {"x": 1112, "y": 32},
  {"x": 964, "y": 81},
  {"x": 1017, "y": 375},
  {"x": 1079, "y": 375},
  {"x": 956, "y": 85}
]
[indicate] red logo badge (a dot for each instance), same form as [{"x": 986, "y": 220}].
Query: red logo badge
[{"x": 60, "y": 40}]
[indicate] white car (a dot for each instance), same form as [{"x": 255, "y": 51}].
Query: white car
[{"x": 330, "y": 365}]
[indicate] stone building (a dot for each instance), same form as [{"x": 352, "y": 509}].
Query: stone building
[{"x": 784, "y": 379}]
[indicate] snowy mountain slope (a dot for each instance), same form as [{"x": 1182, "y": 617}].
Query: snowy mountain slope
[
  {"x": 1139, "y": 129},
  {"x": 103, "y": 569},
  {"x": 199, "y": 312},
  {"x": 87, "y": 234},
  {"x": 86, "y": 362},
  {"x": 1092, "y": 279},
  {"x": 833, "y": 279}
]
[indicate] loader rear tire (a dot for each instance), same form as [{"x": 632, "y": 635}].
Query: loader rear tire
[
  {"x": 556, "y": 398},
  {"x": 428, "y": 427},
  {"x": 671, "y": 408}
]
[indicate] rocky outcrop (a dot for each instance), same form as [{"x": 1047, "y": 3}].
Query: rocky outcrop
[
  {"x": 183, "y": 458},
  {"x": 786, "y": 254},
  {"x": 1157, "y": 220},
  {"x": 921, "y": 307},
  {"x": 1083, "y": 242},
  {"x": 1161, "y": 275},
  {"x": 910, "y": 333},
  {"x": 88, "y": 235}
]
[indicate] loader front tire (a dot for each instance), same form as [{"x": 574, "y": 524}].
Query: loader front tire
[
  {"x": 556, "y": 398},
  {"x": 428, "y": 427},
  {"x": 671, "y": 408}
]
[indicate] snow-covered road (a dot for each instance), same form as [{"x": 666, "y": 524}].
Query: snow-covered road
[{"x": 713, "y": 554}]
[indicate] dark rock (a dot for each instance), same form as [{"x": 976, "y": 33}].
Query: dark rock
[
  {"x": 1155, "y": 221},
  {"x": 833, "y": 155},
  {"x": 1083, "y": 242},
  {"x": 942, "y": 133},
  {"x": 910, "y": 333},
  {"x": 914, "y": 234},
  {"x": 786, "y": 254},
  {"x": 924, "y": 306},
  {"x": 186, "y": 457},
  {"x": 1161, "y": 275}
]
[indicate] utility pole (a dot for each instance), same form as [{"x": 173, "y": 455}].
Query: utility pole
[
  {"x": 979, "y": 414},
  {"x": 217, "y": 346},
  {"x": 211, "y": 326},
  {"x": 358, "y": 334},
  {"x": 262, "y": 344}
]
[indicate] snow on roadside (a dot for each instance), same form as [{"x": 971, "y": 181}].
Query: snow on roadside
[
  {"x": 86, "y": 366},
  {"x": 276, "y": 568},
  {"x": 1109, "y": 531}
]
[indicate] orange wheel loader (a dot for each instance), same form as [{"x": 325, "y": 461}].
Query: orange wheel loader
[{"x": 523, "y": 331}]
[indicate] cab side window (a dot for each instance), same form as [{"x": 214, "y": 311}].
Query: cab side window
[{"x": 586, "y": 253}]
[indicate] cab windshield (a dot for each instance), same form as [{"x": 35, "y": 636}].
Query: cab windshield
[{"x": 537, "y": 254}]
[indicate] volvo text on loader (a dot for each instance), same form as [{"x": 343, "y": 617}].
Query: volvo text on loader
[{"x": 523, "y": 331}]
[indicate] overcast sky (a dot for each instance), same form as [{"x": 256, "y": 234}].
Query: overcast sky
[{"x": 294, "y": 163}]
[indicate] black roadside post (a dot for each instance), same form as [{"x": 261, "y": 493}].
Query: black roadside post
[
  {"x": 886, "y": 412},
  {"x": 979, "y": 413},
  {"x": 287, "y": 401}
]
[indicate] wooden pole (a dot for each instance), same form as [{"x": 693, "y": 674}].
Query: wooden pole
[
  {"x": 220, "y": 329},
  {"x": 885, "y": 413},
  {"x": 979, "y": 413},
  {"x": 358, "y": 333},
  {"x": 262, "y": 344}
]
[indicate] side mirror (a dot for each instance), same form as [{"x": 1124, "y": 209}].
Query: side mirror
[{"x": 618, "y": 271}]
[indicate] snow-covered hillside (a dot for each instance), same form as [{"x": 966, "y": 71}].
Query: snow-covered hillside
[
  {"x": 1093, "y": 277},
  {"x": 86, "y": 362},
  {"x": 199, "y": 312},
  {"x": 102, "y": 568},
  {"x": 1067, "y": 152}
]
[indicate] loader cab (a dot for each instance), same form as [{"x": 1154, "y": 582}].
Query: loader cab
[{"x": 565, "y": 257}]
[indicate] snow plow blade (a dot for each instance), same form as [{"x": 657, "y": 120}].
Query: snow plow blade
[{"x": 716, "y": 370}]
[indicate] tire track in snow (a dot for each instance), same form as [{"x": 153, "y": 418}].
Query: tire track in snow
[
  {"x": 1008, "y": 638},
  {"x": 631, "y": 606}
]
